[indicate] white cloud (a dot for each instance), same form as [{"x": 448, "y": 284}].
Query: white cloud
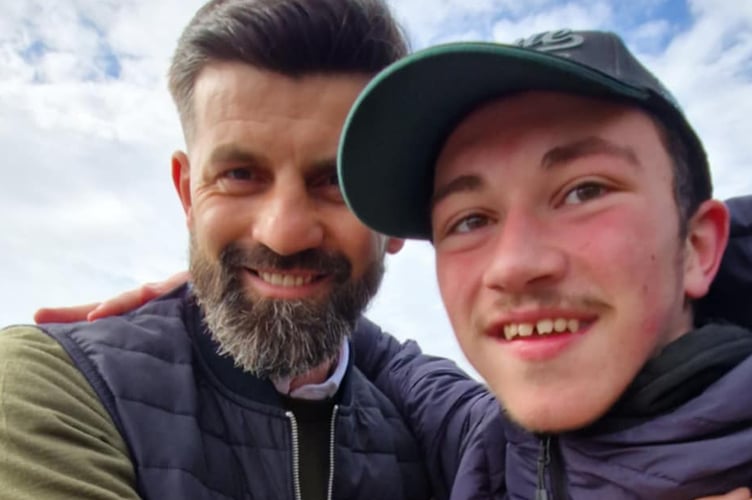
[
  {"x": 449, "y": 20},
  {"x": 709, "y": 68},
  {"x": 592, "y": 15},
  {"x": 650, "y": 36}
]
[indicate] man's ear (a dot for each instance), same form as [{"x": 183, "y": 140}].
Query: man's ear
[
  {"x": 181, "y": 179},
  {"x": 707, "y": 236},
  {"x": 394, "y": 245}
]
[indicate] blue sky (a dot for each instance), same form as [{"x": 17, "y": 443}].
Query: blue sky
[{"x": 87, "y": 129}]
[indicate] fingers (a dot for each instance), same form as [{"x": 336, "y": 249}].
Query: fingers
[
  {"x": 133, "y": 299},
  {"x": 737, "y": 494},
  {"x": 64, "y": 314},
  {"x": 126, "y": 301},
  {"x": 120, "y": 304}
]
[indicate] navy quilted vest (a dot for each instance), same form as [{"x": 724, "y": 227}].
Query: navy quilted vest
[{"x": 199, "y": 428}]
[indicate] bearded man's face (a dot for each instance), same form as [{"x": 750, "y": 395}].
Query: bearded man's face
[
  {"x": 282, "y": 268},
  {"x": 278, "y": 337}
]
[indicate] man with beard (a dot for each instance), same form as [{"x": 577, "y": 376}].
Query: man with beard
[{"x": 241, "y": 384}]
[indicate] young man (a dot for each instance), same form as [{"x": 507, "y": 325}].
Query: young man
[
  {"x": 569, "y": 204},
  {"x": 240, "y": 385}
]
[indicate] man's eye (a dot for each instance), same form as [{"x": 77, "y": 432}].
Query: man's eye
[
  {"x": 326, "y": 186},
  {"x": 470, "y": 223},
  {"x": 332, "y": 180},
  {"x": 585, "y": 192},
  {"x": 239, "y": 174},
  {"x": 327, "y": 180}
]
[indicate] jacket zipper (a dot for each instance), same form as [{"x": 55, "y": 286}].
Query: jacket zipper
[
  {"x": 295, "y": 456},
  {"x": 544, "y": 458},
  {"x": 330, "y": 490},
  {"x": 551, "y": 462}
]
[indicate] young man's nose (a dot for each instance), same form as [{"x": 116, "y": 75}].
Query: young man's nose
[{"x": 524, "y": 255}]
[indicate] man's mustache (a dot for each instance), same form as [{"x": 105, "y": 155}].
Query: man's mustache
[{"x": 261, "y": 257}]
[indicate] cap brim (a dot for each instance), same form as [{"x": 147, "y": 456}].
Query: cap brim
[{"x": 398, "y": 124}]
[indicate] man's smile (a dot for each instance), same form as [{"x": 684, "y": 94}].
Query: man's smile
[
  {"x": 290, "y": 284},
  {"x": 288, "y": 279}
]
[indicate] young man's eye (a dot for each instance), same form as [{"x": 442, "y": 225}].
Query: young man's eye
[
  {"x": 585, "y": 192},
  {"x": 469, "y": 223}
]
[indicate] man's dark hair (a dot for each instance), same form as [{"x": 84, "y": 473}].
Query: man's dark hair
[{"x": 291, "y": 37}]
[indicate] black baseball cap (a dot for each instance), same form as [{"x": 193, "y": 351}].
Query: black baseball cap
[{"x": 400, "y": 121}]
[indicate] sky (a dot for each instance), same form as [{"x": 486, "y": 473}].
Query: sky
[{"x": 87, "y": 129}]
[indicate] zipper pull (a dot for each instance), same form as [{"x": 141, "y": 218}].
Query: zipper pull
[{"x": 544, "y": 458}]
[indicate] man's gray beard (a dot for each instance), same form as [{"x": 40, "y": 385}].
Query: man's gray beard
[{"x": 279, "y": 337}]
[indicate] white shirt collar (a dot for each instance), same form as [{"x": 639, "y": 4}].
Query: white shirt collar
[{"x": 324, "y": 390}]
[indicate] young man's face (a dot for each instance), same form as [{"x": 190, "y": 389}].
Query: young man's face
[
  {"x": 558, "y": 252},
  {"x": 273, "y": 244}
]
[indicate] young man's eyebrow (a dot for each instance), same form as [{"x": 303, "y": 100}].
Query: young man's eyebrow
[
  {"x": 588, "y": 146},
  {"x": 558, "y": 155},
  {"x": 456, "y": 185}
]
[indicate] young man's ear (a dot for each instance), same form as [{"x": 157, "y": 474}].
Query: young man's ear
[
  {"x": 181, "y": 179},
  {"x": 707, "y": 236}
]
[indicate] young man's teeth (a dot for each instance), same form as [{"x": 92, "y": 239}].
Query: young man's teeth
[
  {"x": 525, "y": 330},
  {"x": 545, "y": 326},
  {"x": 285, "y": 280},
  {"x": 542, "y": 327},
  {"x": 560, "y": 325}
]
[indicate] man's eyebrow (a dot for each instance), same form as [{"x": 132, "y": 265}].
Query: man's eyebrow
[
  {"x": 456, "y": 185},
  {"x": 588, "y": 146},
  {"x": 232, "y": 153},
  {"x": 323, "y": 166}
]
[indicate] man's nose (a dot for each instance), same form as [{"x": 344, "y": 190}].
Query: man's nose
[
  {"x": 288, "y": 222},
  {"x": 526, "y": 255}
]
